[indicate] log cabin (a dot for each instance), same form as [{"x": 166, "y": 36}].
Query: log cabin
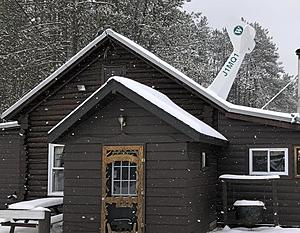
[{"x": 134, "y": 145}]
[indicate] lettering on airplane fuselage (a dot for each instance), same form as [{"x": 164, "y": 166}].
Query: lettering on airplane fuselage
[{"x": 232, "y": 60}]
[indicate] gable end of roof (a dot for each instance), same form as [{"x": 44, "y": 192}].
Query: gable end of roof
[
  {"x": 180, "y": 119},
  {"x": 285, "y": 117}
]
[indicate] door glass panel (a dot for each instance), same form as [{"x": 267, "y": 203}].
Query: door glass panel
[
  {"x": 124, "y": 173},
  {"x": 123, "y": 178},
  {"x": 116, "y": 187},
  {"x": 132, "y": 173},
  {"x": 125, "y": 188},
  {"x": 132, "y": 188},
  {"x": 117, "y": 163},
  {"x": 117, "y": 172}
]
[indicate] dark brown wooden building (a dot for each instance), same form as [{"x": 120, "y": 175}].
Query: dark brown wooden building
[{"x": 141, "y": 150}]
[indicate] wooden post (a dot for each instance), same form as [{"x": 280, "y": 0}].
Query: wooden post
[
  {"x": 275, "y": 202},
  {"x": 224, "y": 199},
  {"x": 44, "y": 224}
]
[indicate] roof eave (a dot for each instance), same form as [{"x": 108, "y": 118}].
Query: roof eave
[
  {"x": 156, "y": 61},
  {"x": 191, "y": 83}
]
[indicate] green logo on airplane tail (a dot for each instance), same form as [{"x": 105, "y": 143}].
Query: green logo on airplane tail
[{"x": 238, "y": 30}]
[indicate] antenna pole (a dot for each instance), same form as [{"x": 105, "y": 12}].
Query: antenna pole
[{"x": 275, "y": 96}]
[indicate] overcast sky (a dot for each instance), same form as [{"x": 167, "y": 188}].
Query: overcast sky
[{"x": 280, "y": 17}]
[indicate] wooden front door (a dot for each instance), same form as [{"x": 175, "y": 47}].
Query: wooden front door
[{"x": 122, "y": 189}]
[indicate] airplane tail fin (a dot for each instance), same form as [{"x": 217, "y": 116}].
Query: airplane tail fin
[{"x": 242, "y": 39}]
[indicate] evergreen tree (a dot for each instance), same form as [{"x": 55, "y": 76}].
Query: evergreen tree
[
  {"x": 37, "y": 36},
  {"x": 261, "y": 75}
]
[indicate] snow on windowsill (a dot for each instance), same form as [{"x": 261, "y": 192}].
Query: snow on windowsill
[
  {"x": 248, "y": 203},
  {"x": 248, "y": 177}
]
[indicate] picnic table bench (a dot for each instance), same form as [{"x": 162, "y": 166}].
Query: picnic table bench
[{"x": 36, "y": 210}]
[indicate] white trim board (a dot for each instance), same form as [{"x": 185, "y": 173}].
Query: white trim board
[
  {"x": 164, "y": 66},
  {"x": 50, "y": 191},
  {"x": 12, "y": 124}
]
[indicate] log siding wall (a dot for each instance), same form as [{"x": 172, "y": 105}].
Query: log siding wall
[
  {"x": 168, "y": 198},
  {"x": 12, "y": 165},
  {"x": 61, "y": 98},
  {"x": 55, "y": 103},
  {"x": 202, "y": 187},
  {"x": 244, "y": 135}
]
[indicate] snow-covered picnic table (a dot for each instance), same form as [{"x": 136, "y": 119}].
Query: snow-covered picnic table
[
  {"x": 41, "y": 202},
  {"x": 36, "y": 210}
]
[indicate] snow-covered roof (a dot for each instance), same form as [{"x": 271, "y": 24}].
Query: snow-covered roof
[
  {"x": 11, "y": 124},
  {"x": 159, "y": 100},
  {"x": 248, "y": 177},
  {"x": 164, "y": 66}
]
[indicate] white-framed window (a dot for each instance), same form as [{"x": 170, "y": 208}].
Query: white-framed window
[
  {"x": 123, "y": 179},
  {"x": 55, "y": 170},
  {"x": 264, "y": 161}
]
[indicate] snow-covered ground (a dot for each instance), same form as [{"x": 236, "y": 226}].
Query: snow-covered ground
[
  {"x": 57, "y": 228},
  {"x": 226, "y": 229}
]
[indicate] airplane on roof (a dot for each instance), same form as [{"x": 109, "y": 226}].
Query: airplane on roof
[{"x": 242, "y": 39}]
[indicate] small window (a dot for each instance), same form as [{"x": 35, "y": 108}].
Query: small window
[
  {"x": 268, "y": 161},
  {"x": 112, "y": 70},
  {"x": 55, "y": 170},
  {"x": 123, "y": 179}
]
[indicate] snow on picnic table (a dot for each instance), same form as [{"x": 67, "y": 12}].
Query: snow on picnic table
[
  {"x": 33, "y": 204},
  {"x": 226, "y": 229},
  {"x": 57, "y": 228}
]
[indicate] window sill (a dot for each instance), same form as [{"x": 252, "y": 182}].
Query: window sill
[
  {"x": 267, "y": 174},
  {"x": 56, "y": 194}
]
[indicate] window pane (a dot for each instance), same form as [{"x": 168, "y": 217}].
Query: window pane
[
  {"x": 118, "y": 163},
  {"x": 116, "y": 187},
  {"x": 277, "y": 162},
  {"x": 132, "y": 173},
  {"x": 58, "y": 180},
  {"x": 124, "y": 173},
  {"x": 260, "y": 161},
  {"x": 124, "y": 178},
  {"x": 117, "y": 171},
  {"x": 58, "y": 156},
  {"x": 132, "y": 188},
  {"x": 124, "y": 187}
]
